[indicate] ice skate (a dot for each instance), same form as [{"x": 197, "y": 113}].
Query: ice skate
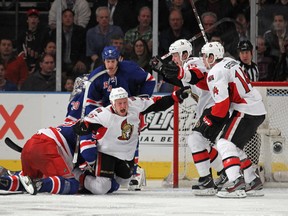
[
  {"x": 235, "y": 190},
  {"x": 255, "y": 187},
  {"x": 138, "y": 180},
  {"x": 205, "y": 187},
  {"x": 28, "y": 184},
  {"x": 221, "y": 180}
]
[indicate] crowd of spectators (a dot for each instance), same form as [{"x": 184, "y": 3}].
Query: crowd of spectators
[{"x": 127, "y": 25}]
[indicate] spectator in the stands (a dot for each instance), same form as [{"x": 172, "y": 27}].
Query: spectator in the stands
[
  {"x": 175, "y": 31},
  {"x": 81, "y": 9},
  {"x": 222, "y": 8},
  {"x": 118, "y": 42},
  {"x": 43, "y": 79},
  {"x": 100, "y": 36},
  {"x": 5, "y": 85},
  {"x": 276, "y": 40},
  {"x": 208, "y": 20},
  {"x": 69, "y": 84},
  {"x": 16, "y": 70},
  {"x": 243, "y": 28},
  {"x": 265, "y": 63},
  {"x": 216, "y": 37},
  {"x": 141, "y": 55},
  {"x": 50, "y": 48},
  {"x": 120, "y": 13},
  {"x": 143, "y": 30},
  {"x": 73, "y": 45},
  {"x": 31, "y": 41},
  {"x": 267, "y": 9}
]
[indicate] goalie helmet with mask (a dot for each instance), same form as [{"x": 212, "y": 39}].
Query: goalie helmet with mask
[
  {"x": 181, "y": 47},
  {"x": 213, "y": 48}
]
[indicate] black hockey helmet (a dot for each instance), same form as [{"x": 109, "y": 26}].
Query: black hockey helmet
[{"x": 245, "y": 45}]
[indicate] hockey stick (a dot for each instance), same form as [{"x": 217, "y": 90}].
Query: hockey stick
[
  {"x": 223, "y": 20},
  {"x": 198, "y": 21},
  {"x": 13, "y": 145},
  {"x": 86, "y": 89}
]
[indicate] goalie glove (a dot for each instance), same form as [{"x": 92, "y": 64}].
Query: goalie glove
[
  {"x": 156, "y": 63},
  {"x": 181, "y": 94},
  {"x": 172, "y": 71}
]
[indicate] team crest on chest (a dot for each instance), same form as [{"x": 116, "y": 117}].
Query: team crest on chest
[{"x": 126, "y": 130}]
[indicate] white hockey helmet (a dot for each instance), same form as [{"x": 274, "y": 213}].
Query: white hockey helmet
[
  {"x": 214, "y": 48},
  {"x": 117, "y": 93},
  {"x": 181, "y": 46}
]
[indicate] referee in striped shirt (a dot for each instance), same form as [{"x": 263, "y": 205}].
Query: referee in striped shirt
[{"x": 245, "y": 49}]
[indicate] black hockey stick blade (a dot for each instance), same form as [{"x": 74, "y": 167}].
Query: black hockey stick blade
[{"x": 12, "y": 145}]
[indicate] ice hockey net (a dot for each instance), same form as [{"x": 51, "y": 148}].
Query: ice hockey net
[{"x": 267, "y": 148}]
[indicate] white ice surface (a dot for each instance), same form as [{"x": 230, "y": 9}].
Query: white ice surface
[{"x": 153, "y": 200}]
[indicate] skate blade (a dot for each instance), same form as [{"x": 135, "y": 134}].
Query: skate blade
[
  {"x": 205, "y": 192},
  {"x": 234, "y": 194},
  {"x": 255, "y": 193}
]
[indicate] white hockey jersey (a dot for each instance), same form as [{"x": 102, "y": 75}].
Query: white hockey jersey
[
  {"x": 201, "y": 88},
  {"x": 119, "y": 135},
  {"x": 231, "y": 89}
]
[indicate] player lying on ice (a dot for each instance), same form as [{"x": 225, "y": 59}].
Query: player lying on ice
[{"x": 117, "y": 128}]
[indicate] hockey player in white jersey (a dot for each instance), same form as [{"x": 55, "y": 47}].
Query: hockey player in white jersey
[
  {"x": 117, "y": 128},
  {"x": 192, "y": 72},
  {"x": 232, "y": 91}
]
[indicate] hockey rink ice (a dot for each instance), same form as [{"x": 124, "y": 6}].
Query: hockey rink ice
[{"x": 153, "y": 200}]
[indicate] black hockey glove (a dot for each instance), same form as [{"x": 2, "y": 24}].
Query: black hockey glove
[
  {"x": 156, "y": 63},
  {"x": 196, "y": 76},
  {"x": 172, "y": 71},
  {"x": 210, "y": 126},
  {"x": 82, "y": 128},
  {"x": 181, "y": 94}
]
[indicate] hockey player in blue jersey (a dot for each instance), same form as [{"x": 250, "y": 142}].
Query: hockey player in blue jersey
[
  {"x": 125, "y": 74},
  {"x": 47, "y": 163}
]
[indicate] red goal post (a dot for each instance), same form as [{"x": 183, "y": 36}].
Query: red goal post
[{"x": 268, "y": 148}]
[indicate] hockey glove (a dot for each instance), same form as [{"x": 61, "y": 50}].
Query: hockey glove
[
  {"x": 82, "y": 128},
  {"x": 172, "y": 71},
  {"x": 196, "y": 76},
  {"x": 181, "y": 94},
  {"x": 210, "y": 126},
  {"x": 156, "y": 63}
]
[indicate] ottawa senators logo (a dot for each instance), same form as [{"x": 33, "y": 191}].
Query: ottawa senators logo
[{"x": 127, "y": 130}]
